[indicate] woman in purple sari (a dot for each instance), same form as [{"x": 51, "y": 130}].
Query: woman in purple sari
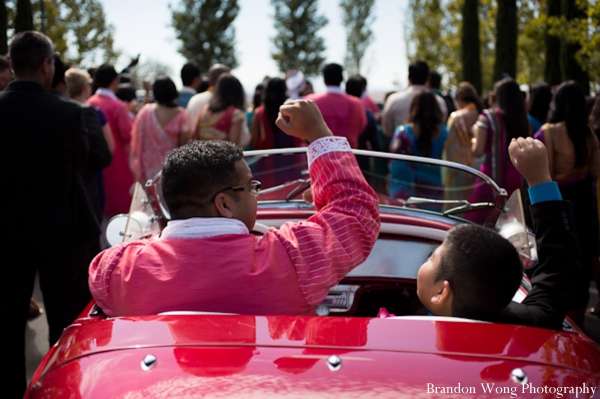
[{"x": 494, "y": 129}]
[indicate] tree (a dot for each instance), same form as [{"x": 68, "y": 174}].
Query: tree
[
  {"x": 552, "y": 73},
  {"x": 443, "y": 29},
  {"x": 297, "y": 45},
  {"x": 487, "y": 36},
  {"x": 506, "y": 40},
  {"x": 55, "y": 26},
  {"x": 77, "y": 29},
  {"x": 3, "y": 28},
  {"x": 531, "y": 49},
  {"x": 576, "y": 26},
  {"x": 93, "y": 38},
  {"x": 205, "y": 29},
  {"x": 574, "y": 14},
  {"x": 433, "y": 36},
  {"x": 470, "y": 44},
  {"x": 24, "y": 17},
  {"x": 149, "y": 69},
  {"x": 357, "y": 19}
]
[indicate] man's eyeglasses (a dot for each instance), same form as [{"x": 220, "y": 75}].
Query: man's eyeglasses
[{"x": 253, "y": 187}]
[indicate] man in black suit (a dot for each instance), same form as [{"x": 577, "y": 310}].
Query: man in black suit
[
  {"x": 99, "y": 156},
  {"x": 47, "y": 217}
]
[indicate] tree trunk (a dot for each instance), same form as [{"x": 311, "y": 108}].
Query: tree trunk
[
  {"x": 470, "y": 51},
  {"x": 571, "y": 68},
  {"x": 506, "y": 40},
  {"x": 24, "y": 16},
  {"x": 553, "y": 72},
  {"x": 3, "y": 28}
]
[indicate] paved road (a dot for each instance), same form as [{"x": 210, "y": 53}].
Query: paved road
[
  {"x": 36, "y": 336},
  {"x": 37, "y": 332}
]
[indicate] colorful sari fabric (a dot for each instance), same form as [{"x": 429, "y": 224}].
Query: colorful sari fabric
[
  {"x": 214, "y": 130},
  {"x": 457, "y": 148},
  {"x": 497, "y": 163},
  {"x": 150, "y": 142},
  {"x": 415, "y": 179}
]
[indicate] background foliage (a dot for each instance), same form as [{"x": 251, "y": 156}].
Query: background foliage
[
  {"x": 357, "y": 19},
  {"x": 206, "y": 32},
  {"x": 77, "y": 28},
  {"x": 297, "y": 44},
  {"x": 547, "y": 41}
]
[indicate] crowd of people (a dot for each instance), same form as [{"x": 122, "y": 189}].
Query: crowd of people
[{"x": 80, "y": 139}]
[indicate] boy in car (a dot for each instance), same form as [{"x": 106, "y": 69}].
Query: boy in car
[
  {"x": 206, "y": 260},
  {"x": 475, "y": 272}
]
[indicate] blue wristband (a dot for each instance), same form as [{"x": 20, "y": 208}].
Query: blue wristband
[{"x": 544, "y": 192}]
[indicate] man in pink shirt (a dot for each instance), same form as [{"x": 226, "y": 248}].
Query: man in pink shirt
[
  {"x": 344, "y": 114},
  {"x": 117, "y": 176},
  {"x": 206, "y": 260}
]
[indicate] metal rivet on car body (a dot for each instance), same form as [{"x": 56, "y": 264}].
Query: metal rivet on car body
[
  {"x": 148, "y": 362},
  {"x": 518, "y": 376},
  {"x": 334, "y": 363}
]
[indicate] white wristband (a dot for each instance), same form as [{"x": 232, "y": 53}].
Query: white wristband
[{"x": 325, "y": 145}]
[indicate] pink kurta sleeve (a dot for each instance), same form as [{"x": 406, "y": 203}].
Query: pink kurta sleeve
[{"x": 342, "y": 233}]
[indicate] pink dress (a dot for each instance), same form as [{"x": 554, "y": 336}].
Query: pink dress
[
  {"x": 286, "y": 271},
  {"x": 117, "y": 176},
  {"x": 150, "y": 142}
]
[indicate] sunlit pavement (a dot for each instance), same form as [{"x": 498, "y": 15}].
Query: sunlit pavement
[{"x": 36, "y": 334}]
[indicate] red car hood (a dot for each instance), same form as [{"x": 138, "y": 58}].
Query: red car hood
[{"x": 259, "y": 356}]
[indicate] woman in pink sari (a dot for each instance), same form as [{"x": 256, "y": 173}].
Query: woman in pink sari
[{"x": 157, "y": 129}]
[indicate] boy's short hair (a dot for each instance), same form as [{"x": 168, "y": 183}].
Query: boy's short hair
[
  {"x": 333, "y": 74},
  {"x": 105, "y": 75},
  {"x": 195, "y": 172},
  {"x": 483, "y": 268},
  {"x": 418, "y": 72},
  {"x": 189, "y": 72},
  {"x": 435, "y": 80},
  {"x": 354, "y": 86},
  {"x": 126, "y": 92}
]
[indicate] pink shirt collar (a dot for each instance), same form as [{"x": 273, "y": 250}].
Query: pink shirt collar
[
  {"x": 335, "y": 90},
  {"x": 106, "y": 93}
]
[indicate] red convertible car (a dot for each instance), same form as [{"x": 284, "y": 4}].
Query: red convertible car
[{"x": 348, "y": 350}]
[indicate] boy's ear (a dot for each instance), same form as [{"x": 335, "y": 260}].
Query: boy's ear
[
  {"x": 222, "y": 202},
  {"x": 443, "y": 296}
]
